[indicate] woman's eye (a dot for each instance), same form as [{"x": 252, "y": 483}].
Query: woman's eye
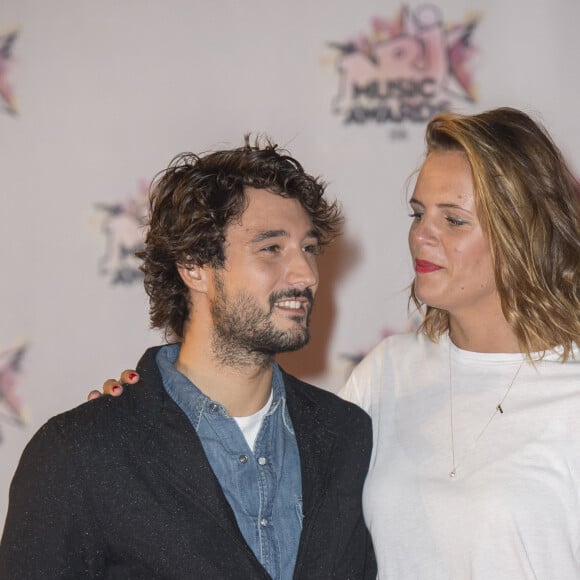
[
  {"x": 415, "y": 215},
  {"x": 456, "y": 221}
]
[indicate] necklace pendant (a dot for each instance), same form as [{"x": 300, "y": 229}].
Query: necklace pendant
[{"x": 452, "y": 473}]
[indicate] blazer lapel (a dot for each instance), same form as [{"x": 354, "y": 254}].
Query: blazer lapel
[
  {"x": 179, "y": 456},
  {"x": 315, "y": 444}
]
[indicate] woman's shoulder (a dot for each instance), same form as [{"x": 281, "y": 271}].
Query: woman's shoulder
[
  {"x": 389, "y": 366},
  {"x": 400, "y": 347},
  {"x": 390, "y": 357}
]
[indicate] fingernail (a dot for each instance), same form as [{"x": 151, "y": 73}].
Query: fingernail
[
  {"x": 132, "y": 376},
  {"x": 116, "y": 388}
]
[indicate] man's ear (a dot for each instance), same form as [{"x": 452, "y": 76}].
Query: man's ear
[{"x": 194, "y": 277}]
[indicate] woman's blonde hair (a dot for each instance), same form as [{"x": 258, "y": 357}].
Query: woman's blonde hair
[{"x": 528, "y": 203}]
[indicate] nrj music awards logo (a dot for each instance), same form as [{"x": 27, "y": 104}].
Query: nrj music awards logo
[
  {"x": 7, "y": 97},
  {"x": 11, "y": 409},
  {"x": 123, "y": 227},
  {"x": 406, "y": 69}
]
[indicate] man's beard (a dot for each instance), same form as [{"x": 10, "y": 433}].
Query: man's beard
[{"x": 244, "y": 334}]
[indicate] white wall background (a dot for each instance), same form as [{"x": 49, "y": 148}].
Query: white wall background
[{"x": 109, "y": 91}]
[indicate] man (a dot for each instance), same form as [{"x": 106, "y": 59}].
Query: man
[{"x": 219, "y": 465}]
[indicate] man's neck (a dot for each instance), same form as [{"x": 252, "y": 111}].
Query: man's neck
[{"x": 241, "y": 389}]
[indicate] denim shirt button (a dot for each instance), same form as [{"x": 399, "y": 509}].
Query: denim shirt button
[
  {"x": 263, "y": 522},
  {"x": 213, "y": 408},
  {"x": 262, "y": 460},
  {"x": 243, "y": 459}
]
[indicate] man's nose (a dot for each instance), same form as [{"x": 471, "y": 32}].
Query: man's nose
[{"x": 302, "y": 270}]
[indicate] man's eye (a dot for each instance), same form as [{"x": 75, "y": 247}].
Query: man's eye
[
  {"x": 271, "y": 249},
  {"x": 312, "y": 249}
]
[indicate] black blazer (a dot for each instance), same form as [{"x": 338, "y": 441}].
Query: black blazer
[{"x": 121, "y": 488}]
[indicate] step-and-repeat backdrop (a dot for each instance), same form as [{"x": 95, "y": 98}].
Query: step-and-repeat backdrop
[{"x": 96, "y": 97}]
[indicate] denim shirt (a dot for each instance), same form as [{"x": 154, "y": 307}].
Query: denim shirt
[{"x": 263, "y": 486}]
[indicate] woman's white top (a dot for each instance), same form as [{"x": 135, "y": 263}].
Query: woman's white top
[{"x": 513, "y": 509}]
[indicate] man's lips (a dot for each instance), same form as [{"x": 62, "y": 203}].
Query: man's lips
[{"x": 424, "y": 267}]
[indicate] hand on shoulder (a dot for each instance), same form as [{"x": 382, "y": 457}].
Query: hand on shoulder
[{"x": 113, "y": 387}]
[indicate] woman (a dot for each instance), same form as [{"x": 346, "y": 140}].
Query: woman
[{"x": 475, "y": 470}]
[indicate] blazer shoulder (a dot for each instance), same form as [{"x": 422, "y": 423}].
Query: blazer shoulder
[
  {"x": 336, "y": 410},
  {"x": 137, "y": 402},
  {"x": 95, "y": 423},
  {"x": 108, "y": 419}
]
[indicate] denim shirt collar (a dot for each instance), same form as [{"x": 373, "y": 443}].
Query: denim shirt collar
[{"x": 194, "y": 403}]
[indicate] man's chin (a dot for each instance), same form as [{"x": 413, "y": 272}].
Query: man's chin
[
  {"x": 298, "y": 340},
  {"x": 296, "y": 345},
  {"x": 289, "y": 342}
]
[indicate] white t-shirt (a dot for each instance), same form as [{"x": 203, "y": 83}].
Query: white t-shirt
[
  {"x": 251, "y": 424},
  {"x": 513, "y": 509}
]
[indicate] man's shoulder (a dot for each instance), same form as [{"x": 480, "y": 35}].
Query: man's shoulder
[
  {"x": 326, "y": 403},
  {"x": 99, "y": 420},
  {"x": 109, "y": 416},
  {"x": 309, "y": 390}
]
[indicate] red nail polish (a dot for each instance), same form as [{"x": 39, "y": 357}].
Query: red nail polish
[
  {"x": 115, "y": 388},
  {"x": 132, "y": 376}
]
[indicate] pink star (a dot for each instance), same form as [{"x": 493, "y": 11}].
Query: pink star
[
  {"x": 6, "y": 92},
  {"x": 10, "y": 371}
]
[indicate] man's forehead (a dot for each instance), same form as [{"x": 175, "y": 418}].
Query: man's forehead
[
  {"x": 269, "y": 214},
  {"x": 257, "y": 231}
]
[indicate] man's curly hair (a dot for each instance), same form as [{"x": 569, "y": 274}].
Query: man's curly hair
[{"x": 194, "y": 200}]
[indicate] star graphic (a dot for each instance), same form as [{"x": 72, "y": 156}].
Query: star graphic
[
  {"x": 123, "y": 226},
  {"x": 10, "y": 372},
  {"x": 7, "y": 97}
]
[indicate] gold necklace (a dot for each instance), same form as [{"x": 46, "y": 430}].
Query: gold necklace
[{"x": 498, "y": 409}]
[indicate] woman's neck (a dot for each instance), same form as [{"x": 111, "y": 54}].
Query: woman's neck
[{"x": 490, "y": 335}]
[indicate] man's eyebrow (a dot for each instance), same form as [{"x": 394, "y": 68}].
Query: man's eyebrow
[{"x": 269, "y": 234}]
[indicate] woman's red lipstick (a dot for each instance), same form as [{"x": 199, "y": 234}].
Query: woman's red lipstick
[{"x": 424, "y": 267}]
